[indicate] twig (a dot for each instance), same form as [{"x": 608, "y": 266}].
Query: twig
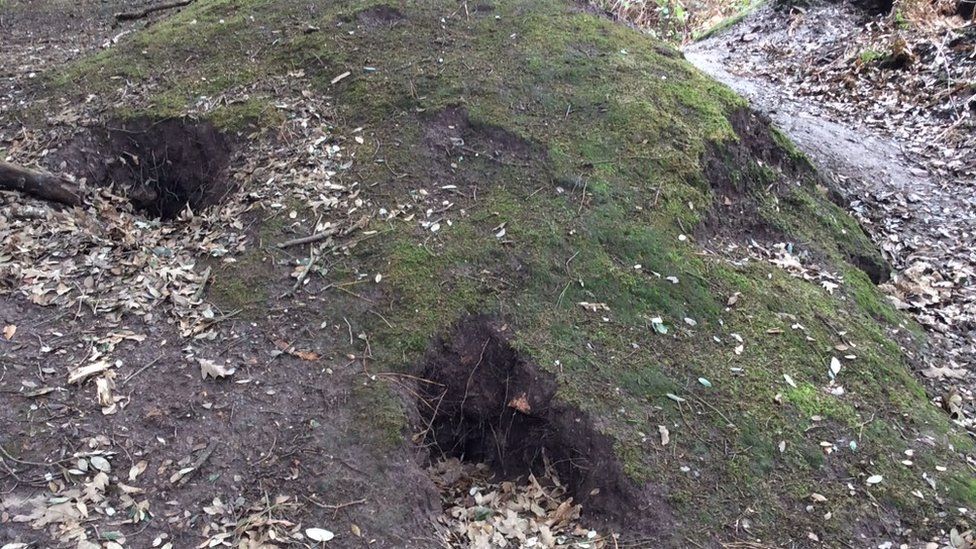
[
  {"x": 583, "y": 197},
  {"x": 133, "y": 15},
  {"x": 334, "y": 508},
  {"x": 200, "y": 461},
  {"x": 140, "y": 370},
  {"x": 308, "y": 239},
  {"x": 203, "y": 285},
  {"x": 381, "y": 317},
  {"x": 25, "y": 462},
  {"x": 313, "y": 257}
]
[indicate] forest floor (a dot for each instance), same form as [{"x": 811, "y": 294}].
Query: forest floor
[{"x": 187, "y": 382}]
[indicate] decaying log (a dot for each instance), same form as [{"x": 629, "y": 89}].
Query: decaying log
[
  {"x": 43, "y": 185},
  {"x": 133, "y": 15}
]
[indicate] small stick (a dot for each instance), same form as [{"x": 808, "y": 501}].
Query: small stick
[
  {"x": 303, "y": 276},
  {"x": 139, "y": 371},
  {"x": 199, "y": 462},
  {"x": 334, "y": 508},
  {"x": 307, "y": 239}
]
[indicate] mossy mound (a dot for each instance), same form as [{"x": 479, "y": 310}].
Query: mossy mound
[{"x": 586, "y": 163}]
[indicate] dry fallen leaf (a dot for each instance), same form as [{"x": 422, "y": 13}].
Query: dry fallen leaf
[
  {"x": 319, "y": 534},
  {"x": 284, "y": 347},
  {"x": 594, "y": 307},
  {"x": 665, "y": 435},
  {"x": 520, "y": 403},
  {"x": 80, "y": 374},
  {"x": 8, "y": 331},
  {"x": 939, "y": 372},
  {"x": 209, "y": 368},
  {"x": 137, "y": 469},
  {"x": 834, "y": 367}
]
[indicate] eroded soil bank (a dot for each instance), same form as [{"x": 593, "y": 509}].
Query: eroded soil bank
[{"x": 920, "y": 211}]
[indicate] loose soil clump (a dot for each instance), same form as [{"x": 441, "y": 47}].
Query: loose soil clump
[
  {"x": 161, "y": 166},
  {"x": 485, "y": 402}
]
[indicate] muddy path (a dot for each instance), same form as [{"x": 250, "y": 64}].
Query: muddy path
[{"x": 923, "y": 220}]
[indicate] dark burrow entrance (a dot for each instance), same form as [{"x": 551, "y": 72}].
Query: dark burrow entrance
[
  {"x": 486, "y": 403},
  {"x": 161, "y": 166}
]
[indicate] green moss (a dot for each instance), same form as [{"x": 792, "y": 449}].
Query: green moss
[
  {"x": 811, "y": 401},
  {"x": 250, "y": 114},
  {"x": 746, "y": 7},
  {"x": 963, "y": 488},
  {"x": 869, "y": 56},
  {"x": 242, "y": 285},
  {"x": 382, "y": 415},
  {"x": 870, "y": 300}
]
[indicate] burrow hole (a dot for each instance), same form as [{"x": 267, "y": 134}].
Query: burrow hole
[
  {"x": 161, "y": 166},
  {"x": 486, "y": 403}
]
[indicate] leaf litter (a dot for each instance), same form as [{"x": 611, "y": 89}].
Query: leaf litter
[{"x": 483, "y": 513}]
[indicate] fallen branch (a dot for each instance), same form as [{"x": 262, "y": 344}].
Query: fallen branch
[
  {"x": 43, "y": 185},
  {"x": 133, "y": 15}
]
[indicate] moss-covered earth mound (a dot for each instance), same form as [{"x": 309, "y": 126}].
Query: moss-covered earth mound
[{"x": 605, "y": 220}]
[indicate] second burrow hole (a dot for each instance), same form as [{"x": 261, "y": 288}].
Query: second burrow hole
[{"x": 483, "y": 401}]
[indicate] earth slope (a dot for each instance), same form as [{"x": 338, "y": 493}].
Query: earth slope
[{"x": 548, "y": 241}]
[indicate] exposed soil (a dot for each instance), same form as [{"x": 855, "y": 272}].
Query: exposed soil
[
  {"x": 161, "y": 166},
  {"x": 285, "y": 431},
  {"x": 41, "y": 35},
  {"x": 450, "y": 133},
  {"x": 731, "y": 171},
  {"x": 243, "y": 387},
  {"x": 485, "y": 402},
  {"x": 377, "y": 17}
]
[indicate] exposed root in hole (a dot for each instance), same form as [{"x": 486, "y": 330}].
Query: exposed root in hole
[
  {"x": 161, "y": 166},
  {"x": 489, "y": 404}
]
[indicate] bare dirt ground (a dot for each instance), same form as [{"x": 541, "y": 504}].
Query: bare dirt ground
[{"x": 896, "y": 155}]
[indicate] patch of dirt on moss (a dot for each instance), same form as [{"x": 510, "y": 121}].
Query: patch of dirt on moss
[
  {"x": 451, "y": 133},
  {"x": 485, "y": 402},
  {"x": 377, "y": 17},
  {"x": 744, "y": 173},
  {"x": 734, "y": 172}
]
